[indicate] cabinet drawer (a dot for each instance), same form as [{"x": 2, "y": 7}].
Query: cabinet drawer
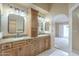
[
  {"x": 19, "y": 43},
  {"x": 27, "y": 42},
  {"x": 6, "y": 46},
  {"x": 30, "y": 41},
  {"x": 0, "y": 47}
]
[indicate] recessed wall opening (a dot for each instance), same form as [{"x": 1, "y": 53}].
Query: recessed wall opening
[{"x": 62, "y": 33}]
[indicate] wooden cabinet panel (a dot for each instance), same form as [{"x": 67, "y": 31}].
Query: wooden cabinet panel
[
  {"x": 34, "y": 32},
  {"x": 36, "y": 46},
  {"x": 34, "y": 23},
  {"x": 44, "y": 44},
  {"x": 20, "y": 51},
  {"x": 6, "y": 46},
  {"x": 19, "y": 43},
  {"x": 31, "y": 48},
  {"x": 47, "y": 43},
  {"x": 28, "y": 51},
  {"x": 9, "y": 52},
  {"x": 0, "y": 53},
  {"x": 0, "y": 47},
  {"x": 22, "y": 48},
  {"x": 34, "y": 14}
]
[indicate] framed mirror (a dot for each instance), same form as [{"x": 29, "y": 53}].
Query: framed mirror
[{"x": 15, "y": 23}]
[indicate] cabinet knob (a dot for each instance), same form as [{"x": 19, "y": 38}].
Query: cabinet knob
[
  {"x": 6, "y": 46},
  {"x": 20, "y": 48}
]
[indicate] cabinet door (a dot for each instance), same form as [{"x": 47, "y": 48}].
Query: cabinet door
[
  {"x": 27, "y": 50},
  {"x": 41, "y": 45},
  {"x": 9, "y": 52},
  {"x": 0, "y": 53},
  {"x": 47, "y": 43},
  {"x": 23, "y": 51},
  {"x": 31, "y": 51},
  {"x": 36, "y": 46},
  {"x": 20, "y": 51}
]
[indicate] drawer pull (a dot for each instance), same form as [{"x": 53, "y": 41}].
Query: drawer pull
[
  {"x": 6, "y": 46},
  {"x": 20, "y": 48}
]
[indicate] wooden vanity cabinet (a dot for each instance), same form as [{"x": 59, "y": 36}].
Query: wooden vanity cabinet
[
  {"x": 30, "y": 47},
  {"x": 33, "y": 46}
]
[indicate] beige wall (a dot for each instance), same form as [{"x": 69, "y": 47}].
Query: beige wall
[
  {"x": 54, "y": 8},
  {"x": 75, "y": 30},
  {"x": 45, "y": 6},
  {"x": 59, "y": 8},
  {"x": 4, "y": 20}
]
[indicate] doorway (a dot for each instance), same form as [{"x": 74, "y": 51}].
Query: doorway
[
  {"x": 62, "y": 34},
  {"x": 61, "y": 41}
]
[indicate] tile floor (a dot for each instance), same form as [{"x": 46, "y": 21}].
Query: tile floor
[
  {"x": 62, "y": 44},
  {"x": 61, "y": 49},
  {"x": 56, "y": 52},
  {"x": 53, "y": 52}
]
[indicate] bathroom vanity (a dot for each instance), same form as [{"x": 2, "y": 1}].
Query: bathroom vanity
[
  {"x": 24, "y": 46},
  {"x": 20, "y": 35}
]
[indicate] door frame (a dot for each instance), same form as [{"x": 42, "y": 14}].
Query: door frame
[{"x": 71, "y": 9}]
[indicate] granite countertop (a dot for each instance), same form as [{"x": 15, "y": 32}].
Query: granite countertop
[
  {"x": 43, "y": 35},
  {"x": 6, "y": 40},
  {"x": 13, "y": 39}
]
